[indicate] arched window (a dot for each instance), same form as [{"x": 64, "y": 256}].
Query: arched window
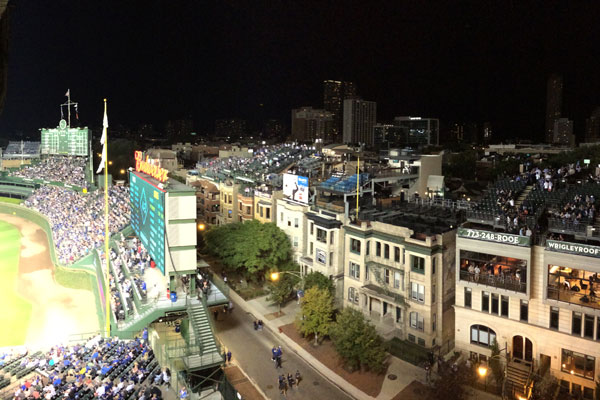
[{"x": 482, "y": 335}]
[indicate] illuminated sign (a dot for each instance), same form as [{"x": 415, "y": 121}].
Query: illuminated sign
[
  {"x": 504, "y": 238},
  {"x": 573, "y": 248},
  {"x": 154, "y": 171}
]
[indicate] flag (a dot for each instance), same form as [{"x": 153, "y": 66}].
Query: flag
[
  {"x": 103, "y": 140},
  {"x": 68, "y": 93}
]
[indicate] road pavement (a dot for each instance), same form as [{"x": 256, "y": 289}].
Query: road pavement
[{"x": 251, "y": 351}]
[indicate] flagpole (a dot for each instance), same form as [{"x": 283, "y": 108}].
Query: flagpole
[
  {"x": 69, "y": 107},
  {"x": 106, "y": 233}
]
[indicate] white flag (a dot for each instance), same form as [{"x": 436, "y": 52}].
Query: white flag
[
  {"x": 68, "y": 93},
  {"x": 103, "y": 140}
]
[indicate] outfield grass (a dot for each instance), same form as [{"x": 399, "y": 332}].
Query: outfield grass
[
  {"x": 10, "y": 200},
  {"x": 16, "y": 311}
]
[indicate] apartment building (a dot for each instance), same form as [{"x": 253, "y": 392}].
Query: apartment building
[
  {"x": 399, "y": 271},
  {"x": 291, "y": 218},
  {"x": 533, "y": 294},
  {"x": 207, "y": 200},
  {"x": 228, "y": 191},
  {"x": 245, "y": 203},
  {"x": 265, "y": 204}
]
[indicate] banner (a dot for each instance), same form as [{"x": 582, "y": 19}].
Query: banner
[{"x": 295, "y": 187}]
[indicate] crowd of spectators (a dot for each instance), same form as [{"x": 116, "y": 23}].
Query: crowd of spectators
[
  {"x": 579, "y": 208},
  {"x": 97, "y": 369},
  {"x": 138, "y": 260},
  {"x": 77, "y": 219},
  {"x": 65, "y": 169}
]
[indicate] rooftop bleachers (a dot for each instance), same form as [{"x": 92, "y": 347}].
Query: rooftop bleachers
[{"x": 22, "y": 149}]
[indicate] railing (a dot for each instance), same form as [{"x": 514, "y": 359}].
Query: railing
[
  {"x": 507, "y": 282},
  {"x": 445, "y": 203},
  {"x": 559, "y": 225},
  {"x": 572, "y": 297}
]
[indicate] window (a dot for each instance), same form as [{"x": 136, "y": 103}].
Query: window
[
  {"x": 433, "y": 293},
  {"x": 295, "y": 241},
  {"x": 353, "y": 295},
  {"x": 240, "y": 205},
  {"x": 468, "y": 293},
  {"x": 295, "y": 222},
  {"x": 588, "y": 326},
  {"x": 289, "y": 222},
  {"x": 260, "y": 211},
  {"x": 321, "y": 257},
  {"x": 321, "y": 235},
  {"x": 354, "y": 270},
  {"x": 397, "y": 280},
  {"x": 411, "y": 338},
  {"x": 330, "y": 258},
  {"x": 311, "y": 248},
  {"x": 368, "y": 250},
  {"x": 331, "y": 238},
  {"x": 576, "y": 324},
  {"x": 248, "y": 210},
  {"x": 588, "y": 393},
  {"x": 494, "y": 303},
  {"x": 378, "y": 249},
  {"x": 416, "y": 321},
  {"x": 524, "y": 314},
  {"x": 417, "y": 264},
  {"x": 355, "y": 246},
  {"x": 554, "y": 318},
  {"x": 366, "y": 272},
  {"x": 421, "y": 342},
  {"x": 433, "y": 323},
  {"x": 312, "y": 225},
  {"x": 578, "y": 364},
  {"x": 504, "y": 306},
  {"x": 398, "y": 314},
  {"x": 482, "y": 335},
  {"x": 281, "y": 217},
  {"x": 387, "y": 276},
  {"x": 268, "y": 212},
  {"x": 396, "y": 254},
  {"x": 417, "y": 292},
  {"x": 598, "y": 328},
  {"x": 386, "y": 251},
  {"x": 485, "y": 301},
  {"x": 433, "y": 260}
]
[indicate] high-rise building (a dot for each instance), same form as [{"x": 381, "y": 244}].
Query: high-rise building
[
  {"x": 232, "y": 128},
  {"x": 386, "y": 136},
  {"x": 179, "y": 128},
  {"x": 360, "y": 117},
  {"x": 553, "y": 104},
  {"x": 418, "y": 131},
  {"x": 334, "y": 94},
  {"x": 309, "y": 124},
  {"x": 592, "y": 127},
  {"x": 563, "y": 132}
]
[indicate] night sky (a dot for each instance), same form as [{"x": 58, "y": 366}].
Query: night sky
[{"x": 160, "y": 60}]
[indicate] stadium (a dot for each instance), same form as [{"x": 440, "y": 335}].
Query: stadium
[{"x": 57, "y": 283}]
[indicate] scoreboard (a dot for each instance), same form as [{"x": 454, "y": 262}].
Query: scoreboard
[
  {"x": 148, "y": 216},
  {"x": 65, "y": 141}
]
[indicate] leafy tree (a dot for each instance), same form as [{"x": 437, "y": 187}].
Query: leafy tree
[
  {"x": 316, "y": 312},
  {"x": 449, "y": 386},
  {"x": 496, "y": 363},
  {"x": 319, "y": 280},
  {"x": 251, "y": 248},
  {"x": 281, "y": 290},
  {"x": 357, "y": 342}
]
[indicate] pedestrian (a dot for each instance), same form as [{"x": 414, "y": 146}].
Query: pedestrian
[
  {"x": 167, "y": 378},
  {"x": 298, "y": 378},
  {"x": 255, "y": 325},
  {"x": 260, "y": 325},
  {"x": 283, "y": 387},
  {"x": 279, "y": 351},
  {"x": 229, "y": 356},
  {"x": 278, "y": 362},
  {"x": 290, "y": 380},
  {"x": 216, "y": 314},
  {"x": 274, "y": 353},
  {"x": 183, "y": 394}
]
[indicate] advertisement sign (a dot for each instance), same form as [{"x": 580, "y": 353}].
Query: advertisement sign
[
  {"x": 154, "y": 171},
  {"x": 573, "y": 248},
  {"x": 295, "y": 187},
  {"x": 498, "y": 237},
  {"x": 321, "y": 257}
]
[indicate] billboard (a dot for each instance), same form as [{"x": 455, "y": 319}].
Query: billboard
[
  {"x": 65, "y": 141},
  {"x": 148, "y": 216},
  {"x": 295, "y": 187}
]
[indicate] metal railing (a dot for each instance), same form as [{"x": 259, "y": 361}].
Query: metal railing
[
  {"x": 497, "y": 281},
  {"x": 560, "y": 225},
  {"x": 572, "y": 297}
]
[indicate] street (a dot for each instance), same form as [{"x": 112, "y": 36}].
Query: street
[{"x": 252, "y": 352}]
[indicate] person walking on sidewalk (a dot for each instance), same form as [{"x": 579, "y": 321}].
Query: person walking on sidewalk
[
  {"x": 229, "y": 356},
  {"x": 274, "y": 353},
  {"x": 290, "y": 380},
  {"x": 298, "y": 378}
]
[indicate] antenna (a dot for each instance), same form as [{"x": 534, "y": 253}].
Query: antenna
[{"x": 69, "y": 103}]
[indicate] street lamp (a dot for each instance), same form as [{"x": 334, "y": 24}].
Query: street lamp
[
  {"x": 482, "y": 371},
  {"x": 275, "y": 275},
  {"x": 201, "y": 227}
]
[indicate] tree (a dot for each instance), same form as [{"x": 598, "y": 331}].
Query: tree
[
  {"x": 316, "y": 312},
  {"x": 449, "y": 386},
  {"x": 496, "y": 363},
  {"x": 319, "y": 280},
  {"x": 250, "y": 248},
  {"x": 281, "y": 290},
  {"x": 357, "y": 341}
]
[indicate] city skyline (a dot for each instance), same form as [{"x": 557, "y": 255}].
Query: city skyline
[{"x": 227, "y": 61}]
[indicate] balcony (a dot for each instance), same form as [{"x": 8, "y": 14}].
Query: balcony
[
  {"x": 507, "y": 282},
  {"x": 582, "y": 298}
]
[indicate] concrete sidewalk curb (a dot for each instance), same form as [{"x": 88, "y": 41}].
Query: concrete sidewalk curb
[
  {"x": 331, "y": 376},
  {"x": 258, "y": 388}
]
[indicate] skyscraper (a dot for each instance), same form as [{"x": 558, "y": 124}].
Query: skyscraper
[
  {"x": 334, "y": 94},
  {"x": 309, "y": 124},
  {"x": 360, "y": 117},
  {"x": 563, "y": 132},
  {"x": 233, "y": 128},
  {"x": 592, "y": 127},
  {"x": 553, "y": 104}
]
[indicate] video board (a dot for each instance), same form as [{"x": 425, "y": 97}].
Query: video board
[
  {"x": 148, "y": 216},
  {"x": 65, "y": 141}
]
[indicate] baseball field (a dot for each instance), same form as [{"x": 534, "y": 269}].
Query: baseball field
[{"x": 36, "y": 309}]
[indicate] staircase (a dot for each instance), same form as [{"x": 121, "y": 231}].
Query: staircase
[
  {"x": 205, "y": 351},
  {"x": 517, "y": 380},
  {"x": 523, "y": 196}
]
